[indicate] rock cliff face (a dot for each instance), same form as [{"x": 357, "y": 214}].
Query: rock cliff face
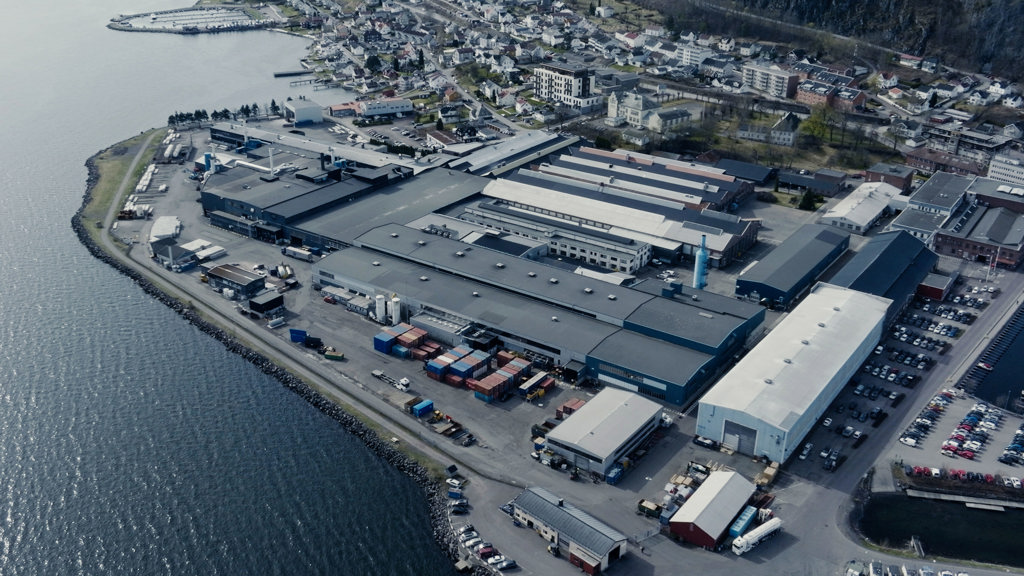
[{"x": 963, "y": 33}]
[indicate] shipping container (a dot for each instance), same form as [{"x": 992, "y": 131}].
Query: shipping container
[
  {"x": 419, "y": 354},
  {"x": 424, "y": 407},
  {"x": 484, "y": 397},
  {"x": 742, "y": 522},
  {"x": 298, "y": 336},
  {"x": 454, "y": 380},
  {"x": 504, "y": 357},
  {"x": 400, "y": 351},
  {"x": 334, "y": 355},
  {"x": 383, "y": 342}
]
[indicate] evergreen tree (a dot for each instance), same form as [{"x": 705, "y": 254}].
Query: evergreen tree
[{"x": 440, "y": 124}]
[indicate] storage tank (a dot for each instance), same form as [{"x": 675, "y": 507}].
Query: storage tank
[
  {"x": 700, "y": 265},
  {"x": 381, "y": 310},
  {"x": 396, "y": 311}
]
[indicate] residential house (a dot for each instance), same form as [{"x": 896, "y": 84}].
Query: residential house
[
  {"x": 489, "y": 89},
  {"x": 930, "y": 64},
  {"x": 1014, "y": 130},
  {"x": 980, "y": 98},
  {"x": 770, "y": 79},
  {"x": 1012, "y": 101},
  {"x": 750, "y": 49},
  {"x": 815, "y": 93},
  {"x": 716, "y": 67},
  {"x": 945, "y": 90},
  {"x": 604, "y": 11},
  {"x": 662, "y": 120},
  {"x": 631, "y": 40},
  {"x": 848, "y": 99},
  {"x": 705, "y": 40},
  {"x": 1001, "y": 88},
  {"x": 910, "y": 61},
  {"x": 552, "y": 36},
  {"x": 888, "y": 80},
  {"x": 726, "y": 44},
  {"x": 523, "y": 107}
]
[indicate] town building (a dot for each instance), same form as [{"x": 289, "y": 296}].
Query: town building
[
  {"x": 769, "y": 401},
  {"x": 302, "y": 111},
  {"x": 590, "y": 544},
  {"x": 901, "y": 177},
  {"x": 242, "y": 282},
  {"x": 385, "y": 107},
  {"x": 770, "y": 80},
  {"x": 864, "y": 207},
  {"x": 569, "y": 84},
  {"x": 815, "y": 93},
  {"x": 1007, "y": 167}
]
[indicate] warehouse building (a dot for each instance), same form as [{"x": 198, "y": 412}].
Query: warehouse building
[
  {"x": 706, "y": 515},
  {"x": 789, "y": 269},
  {"x": 608, "y": 428},
  {"x": 768, "y": 402},
  {"x": 592, "y": 545},
  {"x": 864, "y": 207},
  {"x": 245, "y": 284},
  {"x": 892, "y": 265},
  {"x": 665, "y": 347}
]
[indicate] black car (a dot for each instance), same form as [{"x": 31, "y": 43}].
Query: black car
[
  {"x": 459, "y": 510},
  {"x": 705, "y": 442},
  {"x": 860, "y": 440},
  {"x": 507, "y": 508},
  {"x": 469, "y": 441}
]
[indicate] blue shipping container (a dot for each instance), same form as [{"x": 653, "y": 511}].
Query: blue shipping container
[
  {"x": 400, "y": 351},
  {"x": 383, "y": 342},
  {"x": 614, "y": 475},
  {"x": 667, "y": 513},
  {"x": 484, "y": 397},
  {"x": 297, "y": 335},
  {"x": 422, "y": 408},
  {"x": 742, "y": 522}
]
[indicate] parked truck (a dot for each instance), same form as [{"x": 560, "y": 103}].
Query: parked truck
[
  {"x": 297, "y": 253},
  {"x": 750, "y": 540},
  {"x": 401, "y": 385},
  {"x": 648, "y": 508}
]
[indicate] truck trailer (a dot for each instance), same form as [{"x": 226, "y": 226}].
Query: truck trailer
[
  {"x": 751, "y": 539},
  {"x": 297, "y": 253}
]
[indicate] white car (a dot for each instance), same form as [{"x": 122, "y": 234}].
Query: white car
[
  {"x": 496, "y": 559},
  {"x": 908, "y": 441},
  {"x": 468, "y": 536},
  {"x": 1015, "y": 481},
  {"x": 454, "y": 482}
]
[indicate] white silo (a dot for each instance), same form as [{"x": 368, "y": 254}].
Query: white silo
[
  {"x": 381, "y": 310},
  {"x": 396, "y": 310}
]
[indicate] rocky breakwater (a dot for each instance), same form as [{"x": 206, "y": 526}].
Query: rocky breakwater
[{"x": 432, "y": 490}]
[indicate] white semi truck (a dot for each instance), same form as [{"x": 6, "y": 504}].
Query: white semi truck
[{"x": 750, "y": 540}]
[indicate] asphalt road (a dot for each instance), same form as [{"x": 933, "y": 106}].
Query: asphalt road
[{"x": 813, "y": 504}]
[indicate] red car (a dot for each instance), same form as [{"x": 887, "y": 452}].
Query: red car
[
  {"x": 989, "y": 478},
  {"x": 966, "y": 454}
]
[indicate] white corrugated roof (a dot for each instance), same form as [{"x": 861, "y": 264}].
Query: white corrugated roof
[
  {"x": 605, "y": 421},
  {"x": 714, "y": 505},
  {"x": 791, "y": 366},
  {"x": 865, "y": 203}
]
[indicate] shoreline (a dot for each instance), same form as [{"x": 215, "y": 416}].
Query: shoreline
[{"x": 432, "y": 491}]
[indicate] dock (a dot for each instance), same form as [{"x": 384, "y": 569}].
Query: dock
[{"x": 287, "y": 73}]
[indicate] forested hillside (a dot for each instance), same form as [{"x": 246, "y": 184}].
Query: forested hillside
[{"x": 964, "y": 33}]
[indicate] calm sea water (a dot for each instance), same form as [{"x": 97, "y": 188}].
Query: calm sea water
[{"x": 130, "y": 443}]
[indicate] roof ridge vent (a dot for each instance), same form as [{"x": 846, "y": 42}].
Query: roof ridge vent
[
  {"x": 460, "y": 253},
  {"x": 612, "y": 296},
  {"x": 500, "y": 265},
  {"x": 588, "y": 290},
  {"x": 531, "y": 274},
  {"x": 375, "y": 263},
  {"x": 821, "y": 324},
  {"x": 553, "y": 280},
  {"x": 394, "y": 234}
]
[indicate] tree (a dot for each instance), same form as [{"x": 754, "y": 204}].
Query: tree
[
  {"x": 419, "y": 58},
  {"x": 373, "y": 63},
  {"x": 245, "y": 110},
  {"x": 440, "y": 124},
  {"x": 274, "y": 108},
  {"x": 807, "y": 201},
  {"x": 255, "y": 109}
]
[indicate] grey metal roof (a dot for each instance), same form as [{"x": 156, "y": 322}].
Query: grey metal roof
[
  {"x": 321, "y": 198},
  {"x": 992, "y": 226},
  {"x": 526, "y": 277},
  {"x": 786, "y": 265},
  {"x": 892, "y": 170},
  {"x": 656, "y": 358},
  {"x": 918, "y": 220},
  {"x": 714, "y": 505},
  {"x": 943, "y": 191},
  {"x": 676, "y": 317},
  {"x": 745, "y": 170},
  {"x": 571, "y": 523},
  {"x": 891, "y": 265},
  {"x": 606, "y": 422},
  {"x": 503, "y": 310},
  {"x": 401, "y": 202}
]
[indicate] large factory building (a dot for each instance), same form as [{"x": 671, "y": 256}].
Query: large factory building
[
  {"x": 768, "y": 402},
  {"x": 666, "y": 346}
]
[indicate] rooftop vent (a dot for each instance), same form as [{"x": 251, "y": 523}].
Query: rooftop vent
[
  {"x": 553, "y": 280},
  {"x": 424, "y": 278},
  {"x": 375, "y": 263},
  {"x": 531, "y": 274},
  {"x": 768, "y": 381},
  {"x": 500, "y": 265},
  {"x": 805, "y": 342},
  {"x": 836, "y": 308},
  {"x": 821, "y": 324},
  {"x": 612, "y": 296},
  {"x": 554, "y": 318},
  {"x": 421, "y": 242},
  {"x": 477, "y": 294},
  {"x": 394, "y": 234},
  {"x": 588, "y": 290},
  {"x": 787, "y": 360},
  {"x": 460, "y": 253},
  {"x": 705, "y": 315}
]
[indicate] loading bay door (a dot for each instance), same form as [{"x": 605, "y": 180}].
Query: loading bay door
[{"x": 740, "y": 437}]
